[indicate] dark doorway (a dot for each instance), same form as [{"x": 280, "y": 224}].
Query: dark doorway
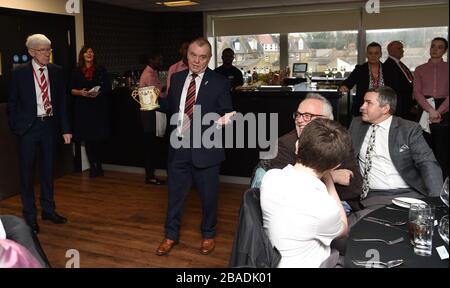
[{"x": 17, "y": 25}]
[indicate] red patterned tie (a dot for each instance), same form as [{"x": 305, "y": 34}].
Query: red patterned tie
[
  {"x": 189, "y": 104},
  {"x": 408, "y": 73},
  {"x": 44, "y": 92}
]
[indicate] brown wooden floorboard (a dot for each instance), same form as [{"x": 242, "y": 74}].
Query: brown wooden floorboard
[{"x": 118, "y": 221}]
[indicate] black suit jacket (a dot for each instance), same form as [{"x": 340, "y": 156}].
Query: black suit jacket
[
  {"x": 396, "y": 79},
  {"x": 22, "y": 105},
  {"x": 286, "y": 155},
  {"x": 213, "y": 97}
]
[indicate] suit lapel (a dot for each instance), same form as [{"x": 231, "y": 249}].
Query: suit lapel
[
  {"x": 393, "y": 133},
  {"x": 362, "y": 131},
  {"x": 203, "y": 86},
  {"x": 31, "y": 79},
  {"x": 51, "y": 80}
]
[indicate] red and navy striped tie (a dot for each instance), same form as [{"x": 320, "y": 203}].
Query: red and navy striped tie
[
  {"x": 189, "y": 105},
  {"x": 44, "y": 91}
]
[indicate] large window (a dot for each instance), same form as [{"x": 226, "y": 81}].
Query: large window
[
  {"x": 416, "y": 42},
  {"x": 259, "y": 52},
  {"x": 322, "y": 50}
]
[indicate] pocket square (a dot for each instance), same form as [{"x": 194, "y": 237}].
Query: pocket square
[
  {"x": 404, "y": 148},
  {"x": 206, "y": 83}
]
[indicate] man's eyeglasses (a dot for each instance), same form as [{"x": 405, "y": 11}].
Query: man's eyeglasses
[
  {"x": 305, "y": 116},
  {"x": 43, "y": 50}
]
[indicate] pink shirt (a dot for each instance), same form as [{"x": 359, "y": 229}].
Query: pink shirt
[
  {"x": 177, "y": 67},
  {"x": 149, "y": 77},
  {"x": 14, "y": 255},
  {"x": 431, "y": 79}
]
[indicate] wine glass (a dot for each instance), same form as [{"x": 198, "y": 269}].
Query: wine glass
[
  {"x": 443, "y": 228},
  {"x": 334, "y": 71},
  {"x": 342, "y": 71},
  {"x": 327, "y": 71},
  {"x": 443, "y": 224},
  {"x": 444, "y": 192}
]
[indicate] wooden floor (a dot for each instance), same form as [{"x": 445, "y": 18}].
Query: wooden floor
[{"x": 118, "y": 221}]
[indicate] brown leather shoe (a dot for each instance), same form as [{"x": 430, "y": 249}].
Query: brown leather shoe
[
  {"x": 207, "y": 246},
  {"x": 165, "y": 247}
]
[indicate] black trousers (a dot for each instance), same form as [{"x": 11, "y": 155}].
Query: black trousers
[
  {"x": 18, "y": 231},
  {"x": 149, "y": 154},
  {"x": 40, "y": 138},
  {"x": 94, "y": 151},
  {"x": 181, "y": 174}
]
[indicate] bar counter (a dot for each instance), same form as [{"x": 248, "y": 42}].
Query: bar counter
[{"x": 126, "y": 145}]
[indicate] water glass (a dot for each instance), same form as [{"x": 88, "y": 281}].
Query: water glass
[
  {"x": 423, "y": 236},
  {"x": 417, "y": 212}
]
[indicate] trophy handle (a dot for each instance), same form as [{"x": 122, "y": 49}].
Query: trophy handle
[{"x": 135, "y": 94}]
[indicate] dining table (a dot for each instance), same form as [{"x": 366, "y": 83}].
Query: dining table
[{"x": 373, "y": 251}]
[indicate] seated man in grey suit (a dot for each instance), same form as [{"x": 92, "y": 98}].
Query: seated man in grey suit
[{"x": 392, "y": 154}]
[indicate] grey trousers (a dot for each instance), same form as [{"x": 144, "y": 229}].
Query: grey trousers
[{"x": 18, "y": 231}]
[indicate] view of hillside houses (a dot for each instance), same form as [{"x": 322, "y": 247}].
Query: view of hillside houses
[{"x": 322, "y": 50}]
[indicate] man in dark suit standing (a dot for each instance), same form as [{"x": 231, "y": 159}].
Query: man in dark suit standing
[
  {"x": 393, "y": 156},
  {"x": 399, "y": 77},
  {"x": 192, "y": 94},
  {"x": 37, "y": 113}
]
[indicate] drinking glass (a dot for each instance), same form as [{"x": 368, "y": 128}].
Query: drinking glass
[
  {"x": 444, "y": 192},
  {"x": 417, "y": 212},
  {"x": 334, "y": 71},
  {"x": 443, "y": 228},
  {"x": 342, "y": 71}
]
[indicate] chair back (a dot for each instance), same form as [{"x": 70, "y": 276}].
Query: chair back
[{"x": 252, "y": 247}]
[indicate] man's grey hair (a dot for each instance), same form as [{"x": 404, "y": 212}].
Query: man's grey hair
[
  {"x": 386, "y": 95},
  {"x": 36, "y": 40},
  {"x": 327, "y": 110}
]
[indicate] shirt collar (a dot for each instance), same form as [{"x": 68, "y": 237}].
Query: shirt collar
[
  {"x": 199, "y": 75},
  {"x": 395, "y": 59},
  {"x": 441, "y": 61},
  {"x": 386, "y": 124},
  {"x": 36, "y": 66}
]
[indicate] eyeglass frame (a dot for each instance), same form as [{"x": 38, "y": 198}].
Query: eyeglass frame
[
  {"x": 43, "y": 50},
  {"x": 311, "y": 116}
]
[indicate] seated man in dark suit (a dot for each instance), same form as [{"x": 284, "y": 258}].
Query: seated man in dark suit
[
  {"x": 392, "y": 154},
  {"x": 347, "y": 178}
]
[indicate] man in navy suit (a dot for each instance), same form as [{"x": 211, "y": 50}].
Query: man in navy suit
[
  {"x": 194, "y": 93},
  {"x": 37, "y": 113}
]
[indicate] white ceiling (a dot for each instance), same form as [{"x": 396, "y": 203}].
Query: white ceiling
[{"x": 219, "y": 5}]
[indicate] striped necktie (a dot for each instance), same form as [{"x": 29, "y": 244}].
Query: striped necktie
[
  {"x": 44, "y": 91},
  {"x": 368, "y": 161},
  {"x": 406, "y": 71},
  {"x": 189, "y": 104}
]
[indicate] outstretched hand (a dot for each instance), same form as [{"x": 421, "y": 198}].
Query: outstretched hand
[{"x": 226, "y": 119}]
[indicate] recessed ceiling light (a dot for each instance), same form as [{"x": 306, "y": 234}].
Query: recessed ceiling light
[{"x": 177, "y": 3}]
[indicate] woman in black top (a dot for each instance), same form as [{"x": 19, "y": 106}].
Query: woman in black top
[
  {"x": 91, "y": 124},
  {"x": 365, "y": 76}
]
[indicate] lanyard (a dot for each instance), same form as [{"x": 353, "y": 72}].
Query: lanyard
[{"x": 41, "y": 85}]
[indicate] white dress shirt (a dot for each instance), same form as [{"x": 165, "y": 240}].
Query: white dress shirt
[
  {"x": 299, "y": 216},
  {"x": 383, "y": 174},
  {"x": 198, "y": 81},
  {"x": 37, "y": 74}
]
